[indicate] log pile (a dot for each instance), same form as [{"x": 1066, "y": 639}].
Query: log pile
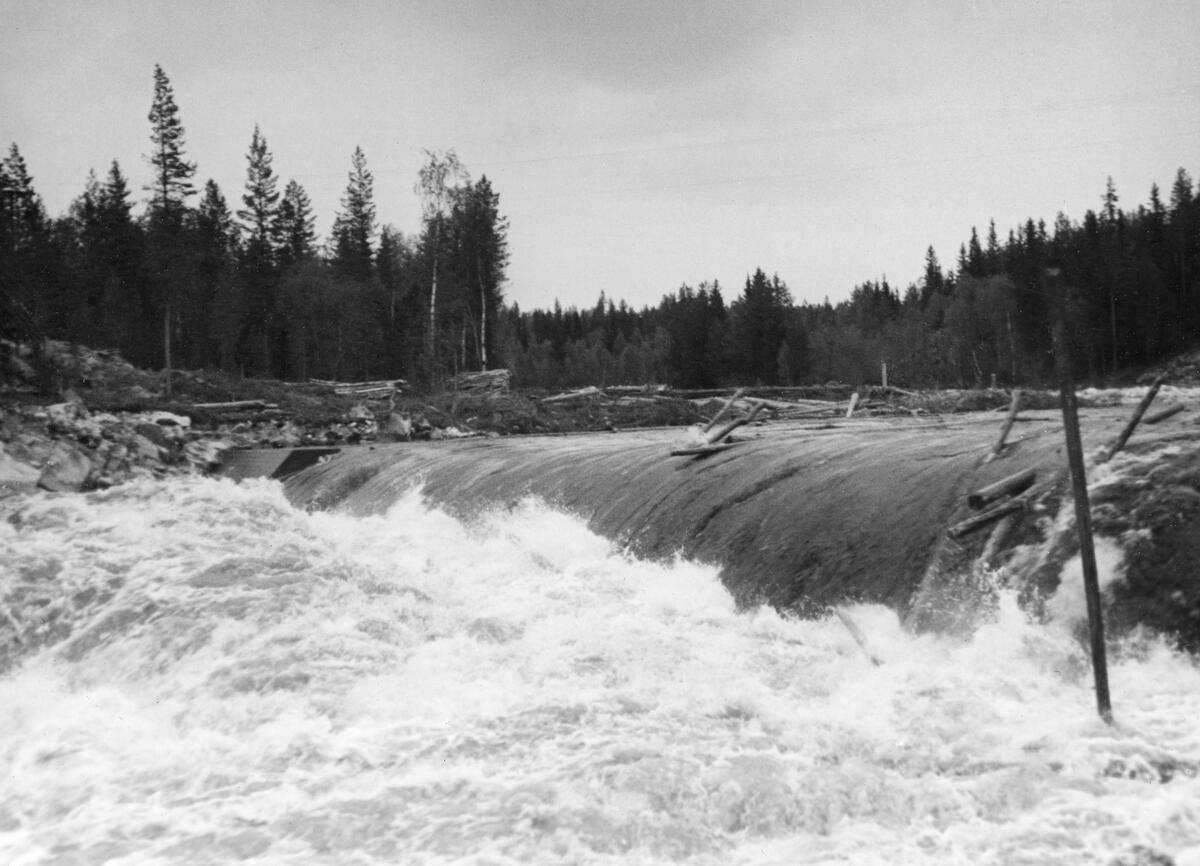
[
  {"x": 482, "y": 382},
  {"x": 380, "y": 389}
]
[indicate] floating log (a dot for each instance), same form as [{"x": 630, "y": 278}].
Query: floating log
[
  {"x": 999, "y": 532},
  {"x": 1133, "y": 421},
  {"x": 1016, "y": 483},
  {"x": 700, "y": 450},
  {"x": 1164, "y": 414},
  {"x": 1013, "y": 409},
  {"x": 984, "y": 518}
]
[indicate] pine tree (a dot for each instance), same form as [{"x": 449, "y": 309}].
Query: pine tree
[
  {"x": 172, "y": 173},
  {"x": 167, "y": 258}
]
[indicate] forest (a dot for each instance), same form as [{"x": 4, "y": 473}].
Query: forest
[{"x": 189, "y": 280}]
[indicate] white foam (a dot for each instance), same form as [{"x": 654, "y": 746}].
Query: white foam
[{"x": 409, "y": 688}]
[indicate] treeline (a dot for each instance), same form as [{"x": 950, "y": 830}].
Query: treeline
[
  {"x": 1126, "y": 283},
  {"x": 196, "y": 281}
]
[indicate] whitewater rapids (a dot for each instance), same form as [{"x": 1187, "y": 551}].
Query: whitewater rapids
[{"x": 208, "y": 675}]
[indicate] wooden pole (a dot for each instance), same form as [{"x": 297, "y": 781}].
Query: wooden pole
[
  {"x": 723, "y": 410},
  {"x": 714, "y": 438},
  {"x": 1013, "y": 409},
  {"x": 1083, "y": 518},
  {"x": 1133, "y": 421}
]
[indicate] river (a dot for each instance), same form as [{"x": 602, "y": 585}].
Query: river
[{"x": 209, "y": 675}]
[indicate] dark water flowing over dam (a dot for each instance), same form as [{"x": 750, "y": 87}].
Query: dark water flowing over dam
[{"x": 801, "y": 516}]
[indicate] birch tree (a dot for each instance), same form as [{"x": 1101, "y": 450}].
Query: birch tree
[{"x": 436, "y": 183}]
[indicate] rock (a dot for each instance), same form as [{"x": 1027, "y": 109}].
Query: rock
[
  {"x": 144, "y": 449},
  {"x": 137, "y": 392},
  {"x": 10, "y": 426},
  {"x": 153, "y": 432},
  {"x": 15, "y": 476},
  {"x": 397, "y": 427},
  {"x": 67, "y": 470},
  {"x": 64, "y": 414},
  {"x": 359, "y": 412},
  {"x": 205, "y": 454},
  {"x": 168, "y": 419}
]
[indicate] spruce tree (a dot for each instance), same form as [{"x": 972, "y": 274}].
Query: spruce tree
[
  {"x": 218, "y": 245},
  {"x": 354, "y": 227},
  {"x": 25, "y": 268},
  {"x": 259, "y": 216},
  {"x": 123, "y": 254},
  {"x": 295, "y": 226}
]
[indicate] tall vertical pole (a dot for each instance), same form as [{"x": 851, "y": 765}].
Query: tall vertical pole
[{"x": 1083, "y": 520}]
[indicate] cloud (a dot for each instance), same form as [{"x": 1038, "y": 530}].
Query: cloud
[{"x": 626, "y": 45}]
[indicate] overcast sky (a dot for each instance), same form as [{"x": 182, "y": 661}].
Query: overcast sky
[{"x": 639, "y": 145}]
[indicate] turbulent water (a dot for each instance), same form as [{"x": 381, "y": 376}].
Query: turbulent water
[{"x": 207, "y": 675}]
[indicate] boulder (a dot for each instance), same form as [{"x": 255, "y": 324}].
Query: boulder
[
  {"x": 65, "y": 414},
  {"x": 397, "y": 427},
  {"x": 153, "y": 432},
  {"x": 144, "y": 449},
  {"x": 15, "y": 476},
  {"x": 67, "y": 470},
  {"x": 168, "y": 419}
]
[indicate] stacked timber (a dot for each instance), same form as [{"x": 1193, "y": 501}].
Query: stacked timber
[
  {"x": 379, "y": 389},
  {"x": 482, "y": 382}
]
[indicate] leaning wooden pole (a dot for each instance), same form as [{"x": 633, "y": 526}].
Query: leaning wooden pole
[
  {"x": 714, "y": 438},
  {"x": 1133, "y": 421},
  {"x": 1013, "y": 409},
  {"x": 1083, "y": 523},
  {"x": 724, "y": 410}
]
